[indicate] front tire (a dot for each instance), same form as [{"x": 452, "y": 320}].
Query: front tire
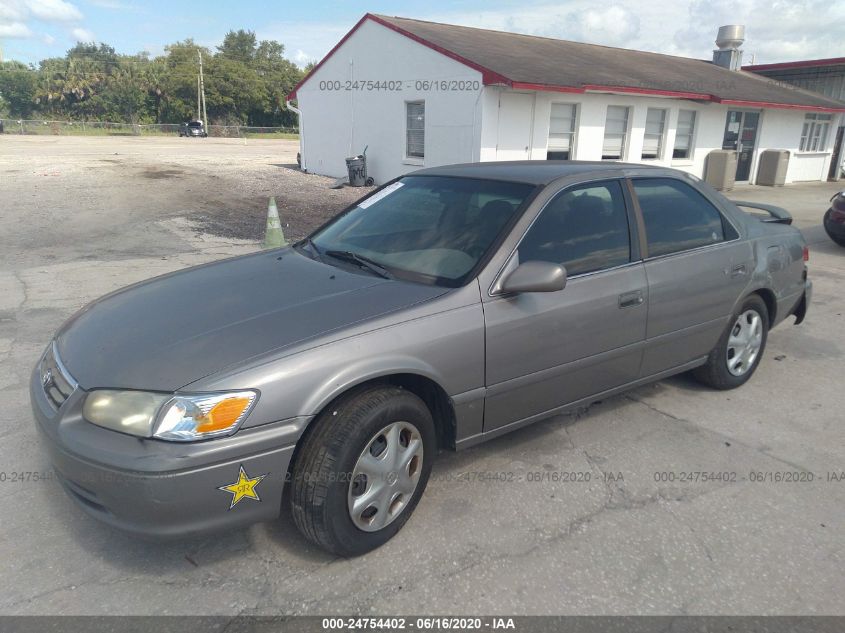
[
  {"x": 362, "y": 469},
  {"x": 737, "y": 354}
]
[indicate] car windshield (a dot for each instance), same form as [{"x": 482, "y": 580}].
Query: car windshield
[
  {"x": 194, "y": 124},
  {"x": 431, "y": 229}
]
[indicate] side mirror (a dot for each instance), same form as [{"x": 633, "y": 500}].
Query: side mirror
[{"x": 535, "y": 277}]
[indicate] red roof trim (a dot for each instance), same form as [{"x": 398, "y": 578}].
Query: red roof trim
[
  {"x": 781, "y": 106},
  {"x": 807, "y": 63}
]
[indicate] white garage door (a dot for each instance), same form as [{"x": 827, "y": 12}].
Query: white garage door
[{"x": 516, "y": 113}]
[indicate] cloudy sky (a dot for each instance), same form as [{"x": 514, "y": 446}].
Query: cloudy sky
[{"x": 777, "y": 30}]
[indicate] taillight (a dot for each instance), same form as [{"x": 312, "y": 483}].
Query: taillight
[{"x": 806, "y": 253}]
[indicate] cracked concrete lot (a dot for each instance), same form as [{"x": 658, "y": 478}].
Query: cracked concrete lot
[{"x": 604, "y": 512}]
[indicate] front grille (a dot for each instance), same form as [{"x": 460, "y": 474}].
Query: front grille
[{"x": 57, "y": 383}]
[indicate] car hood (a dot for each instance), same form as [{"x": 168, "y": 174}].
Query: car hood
[{"x": 167, "y": 332}]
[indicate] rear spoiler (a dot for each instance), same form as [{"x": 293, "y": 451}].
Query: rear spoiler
[{"x": 778, "y": 215}]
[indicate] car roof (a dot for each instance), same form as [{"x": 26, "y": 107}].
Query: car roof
[{"x": 535, "y": 172}]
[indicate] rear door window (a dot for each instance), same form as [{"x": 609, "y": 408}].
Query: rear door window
[{"x": 677, "y": 217}]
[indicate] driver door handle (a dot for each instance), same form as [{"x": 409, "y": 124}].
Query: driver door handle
[{"x": 631, "y": 299}]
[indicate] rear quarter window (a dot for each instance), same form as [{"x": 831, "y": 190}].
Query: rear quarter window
[{"x": 678, "y": 218}]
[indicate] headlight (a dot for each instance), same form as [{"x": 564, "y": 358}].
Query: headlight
[
  {"x": 179, "y": 418},
  {"x": 197, "y": 417},
  {"x": 130, "y": 412}
]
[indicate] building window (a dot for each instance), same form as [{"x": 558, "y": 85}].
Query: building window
[
  {"x": 561, "y": 132},
  {"x": 615, "y": 133},
  {"x": 683, "y": 134},
  {"x": 415, "y": 129},
  {"x": 655, "y": 125},
  {"x": 814, "y": 132}
]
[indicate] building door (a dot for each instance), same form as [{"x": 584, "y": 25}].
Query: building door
[
  {"x": 741, "y": 136},
  {"x": 516, "y": 116},
  {"x": 836, "y": 159}
]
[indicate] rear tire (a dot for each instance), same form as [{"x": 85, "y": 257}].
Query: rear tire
[
  {"x": 347, "y": 494},
  {"x": 737, "y": 354}
]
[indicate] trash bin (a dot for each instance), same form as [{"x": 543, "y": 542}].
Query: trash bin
[
  {"x": 357, "y": 168},
  {"x": 772, "y": 169},
  {"x": 720, "y": 172}
]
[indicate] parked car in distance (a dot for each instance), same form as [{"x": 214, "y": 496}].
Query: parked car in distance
[
  {"x": 446, "y": 308},
  {"x": 834, "y": 219},
  {"x": 192, "y": 128}
]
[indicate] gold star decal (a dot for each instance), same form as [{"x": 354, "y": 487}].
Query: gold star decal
[{"x": 243, "y": 488}]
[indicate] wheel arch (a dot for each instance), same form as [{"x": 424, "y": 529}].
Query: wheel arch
[
  {"x": 769, "y": 298},
  {"x": 421, "y": 383}
]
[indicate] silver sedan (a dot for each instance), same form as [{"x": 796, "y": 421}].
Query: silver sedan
[{"x": 449, "y": 307}]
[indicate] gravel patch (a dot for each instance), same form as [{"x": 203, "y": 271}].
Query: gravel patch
[{"x": 305, "y": 201}]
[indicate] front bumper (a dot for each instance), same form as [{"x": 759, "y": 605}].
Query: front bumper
[{"x": 158, "y": 489}]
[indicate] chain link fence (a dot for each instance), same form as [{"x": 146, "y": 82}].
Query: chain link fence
[{"x": 103, "y": 128}]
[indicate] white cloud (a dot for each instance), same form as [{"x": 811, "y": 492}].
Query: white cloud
[
  {"x": 21, "y": 19},
  {"x": 82, "y": 35},
  {"x": 317, "y": 38},
  {"x": 110, "y": 4},
  {"x": 301, "y": 58},
  {"x": 12, "y": 10},
  {"x": 15, "y": 30},
  {"x": 776, "y": 30},
  {"x": 53, "y": 10}
]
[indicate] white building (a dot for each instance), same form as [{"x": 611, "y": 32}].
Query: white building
[{"x": 420, "y": 94}]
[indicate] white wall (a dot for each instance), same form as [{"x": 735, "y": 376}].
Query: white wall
[
  {"x": 591, "y": 114},
  {"x": 779, "y": 129},
  {"x": 337, "y": 124}
]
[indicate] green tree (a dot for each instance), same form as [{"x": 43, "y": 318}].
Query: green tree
[
  {"x": 279, "y": 76},
  {"x": 239, "y": 46},
  {"x": 18, "y": 84},
  {"x": 124, "y": 96},
  {"x": 246, "y": 82},
  {"x": 179, "y": 81}
]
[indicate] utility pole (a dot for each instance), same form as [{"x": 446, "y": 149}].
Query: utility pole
[
  {"x": 202, "y": 91},
  {"x": 199, "y": 108}
]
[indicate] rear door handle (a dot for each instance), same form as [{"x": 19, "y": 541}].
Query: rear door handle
[{"x": 630, "y": 299}]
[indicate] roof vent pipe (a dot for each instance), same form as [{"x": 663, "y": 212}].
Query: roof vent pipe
[{"x": 729, "y": 38}]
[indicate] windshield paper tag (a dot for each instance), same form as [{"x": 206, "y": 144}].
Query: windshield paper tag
[{"x": 381, "y": 194}]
